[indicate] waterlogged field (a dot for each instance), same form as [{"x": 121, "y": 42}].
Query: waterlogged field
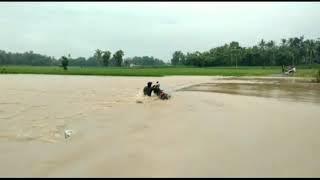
[
  {"x": 211, "y": 127},
  {"x": 156, "y": 71}
]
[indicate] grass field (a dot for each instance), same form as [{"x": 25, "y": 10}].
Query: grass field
[{"x": 156, "y": 71}]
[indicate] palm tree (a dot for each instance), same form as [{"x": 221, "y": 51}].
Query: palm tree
[
  {"x": 98, "y": 55},
  {"x": 293, "y": 43},
  {"x": 234, "y": 46},
  {"x": 262, "y": 45},
  {"x": 118, "y": 57},
  {"x": 271, "y": 49},
  {"x": 106, "y": 57},
  {"x": 283, "y": 41},
  {"x": 311, "y": 48},
  {"x": 64, "y": 62}
]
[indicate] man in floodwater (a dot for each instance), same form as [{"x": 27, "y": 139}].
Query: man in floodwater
[
  {"x": 156, "y": 89},
  {"x": 147, "y": 90}
]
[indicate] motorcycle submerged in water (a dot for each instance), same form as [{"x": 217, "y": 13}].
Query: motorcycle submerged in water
[
  {"x": 162, "y": 95},
  {"x": 156, "y": 90}
]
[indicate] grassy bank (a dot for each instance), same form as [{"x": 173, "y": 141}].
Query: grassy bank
[{"x": 163, "y": 71}]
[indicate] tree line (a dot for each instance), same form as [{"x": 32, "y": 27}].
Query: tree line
[
  {"x": 27, "y": 58},
  {"x": 291, "y": 51},
  {"x": 99, "y": 58},
  {"x": 144, "y": 61}
]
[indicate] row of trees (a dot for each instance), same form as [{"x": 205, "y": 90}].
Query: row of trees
[
  {"x": 143, "y": 61},
  {"x": 292, "y": 51},
  {"x": 104, "y": 58},
  {"x": 99, "y": 58},
  {"x": 27, "y": 58}
]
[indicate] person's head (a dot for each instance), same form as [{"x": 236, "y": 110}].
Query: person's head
[{"x": 149, "y": 84}]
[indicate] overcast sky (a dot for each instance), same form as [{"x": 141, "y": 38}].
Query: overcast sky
[{"x": 149, "y": 28}]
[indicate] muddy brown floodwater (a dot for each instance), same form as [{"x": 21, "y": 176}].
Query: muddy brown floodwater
[
  {"x": 211, "y": 127},
  {"x": 297, "y": 90}
]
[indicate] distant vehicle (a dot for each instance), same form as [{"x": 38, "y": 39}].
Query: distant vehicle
[{"x": 291, "y": 70}]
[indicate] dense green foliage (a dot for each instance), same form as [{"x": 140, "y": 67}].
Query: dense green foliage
[
  {"x": 106, "y": 58},
  {"x": 27, "y": 58},
  {"x": 99, "y": 58},
  {"x": 143, "y": 61},
  {"x": 118, "y": 57},
  {"x": 64, "y": 62},
  {"x": 317, "y": 76},
  {"x": 292, "y": 51}
]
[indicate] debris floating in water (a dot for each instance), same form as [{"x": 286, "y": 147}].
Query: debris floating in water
[{"x": 67, "y": 133}]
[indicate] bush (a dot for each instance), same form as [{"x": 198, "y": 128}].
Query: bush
[
  {"x": 3, "y": 71},
  {"x": 317, "y": 76}
]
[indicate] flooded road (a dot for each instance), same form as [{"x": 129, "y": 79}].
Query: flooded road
[{"x": 200, "y": 132}]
